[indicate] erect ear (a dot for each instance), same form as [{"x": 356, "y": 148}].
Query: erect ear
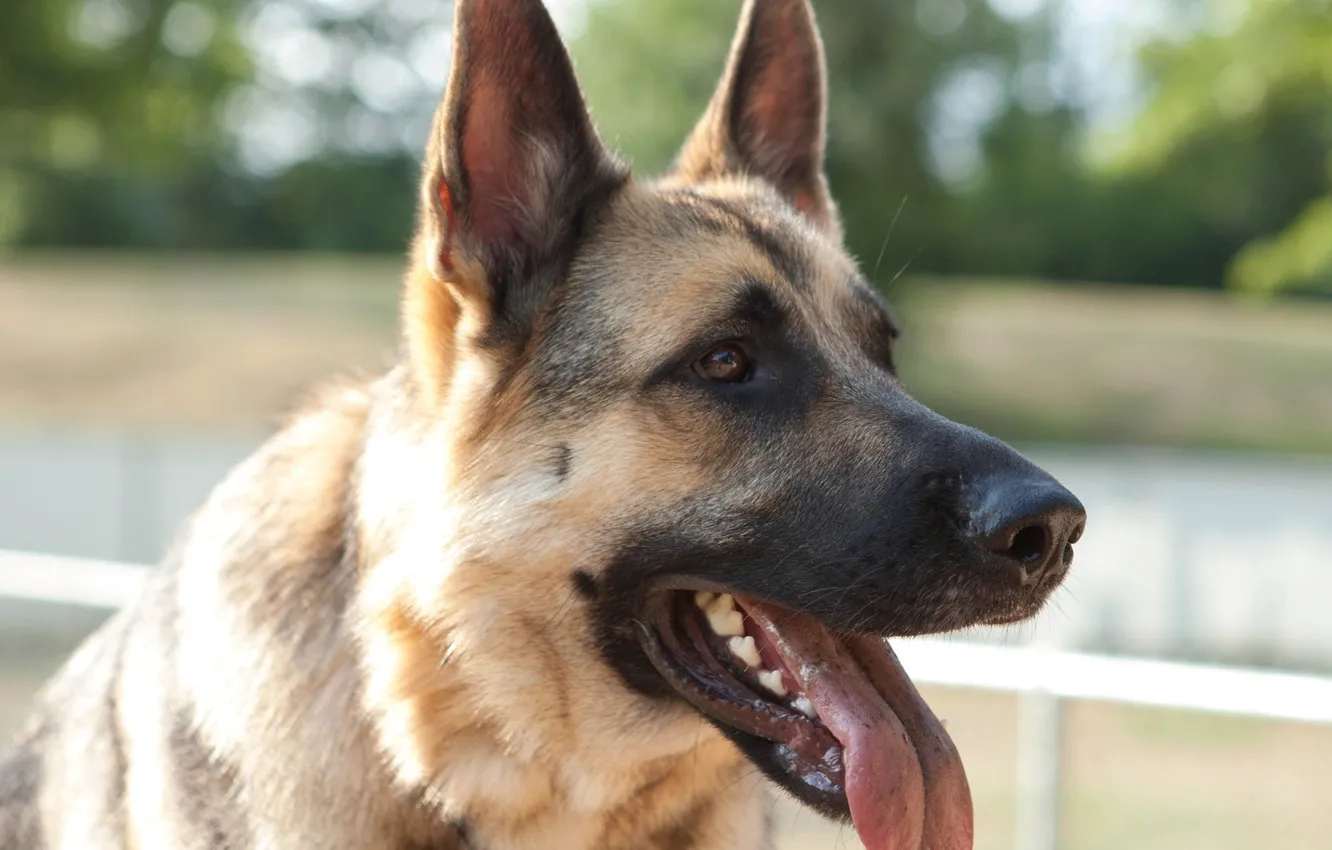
[
  {"x": 513, "y": 164},
  {"x": 767, "y": 116}
]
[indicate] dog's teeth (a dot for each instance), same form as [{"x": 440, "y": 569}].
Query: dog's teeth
[
  {"x": 726, "y": 623},
  {"x": 703, "y": 598},
  {"x": 746, "y": 650},
  {"x": 805, "y": 707},
  {"x": 721, "y": 602},
  {"x": 723, "y": 618},
  {"x": 772, "y": 680}
]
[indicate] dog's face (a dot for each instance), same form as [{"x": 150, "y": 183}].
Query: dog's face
[{"x": 672, "y": 407}]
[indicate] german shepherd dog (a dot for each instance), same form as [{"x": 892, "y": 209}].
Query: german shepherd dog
[{"x": 632, "y": 516}]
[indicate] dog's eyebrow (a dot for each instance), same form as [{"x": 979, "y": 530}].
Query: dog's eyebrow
[
  {"x": 732, "y": 219},
  {"x": 756, "y": 304},
  {"x": 753, "y": 305}
]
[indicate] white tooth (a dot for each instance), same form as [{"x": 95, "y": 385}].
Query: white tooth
[
  {"x": 724, "y": 618},
  {"x": 805, "y": 707},
  {"x": 943, "y": 721},
  {"x": 726, "y": 623},
  {"x": 772, "y": 680},
  {"x": 723, "y": 602},
  {"x": 703, "y": 598},
  {"x": 746, "y": 650}
]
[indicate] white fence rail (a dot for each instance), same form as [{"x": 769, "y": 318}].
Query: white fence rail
[
  {"x": 1022, "y": 669},
  {"x": 1041, "y": 677},
  {"x": 69, "y": 581}
]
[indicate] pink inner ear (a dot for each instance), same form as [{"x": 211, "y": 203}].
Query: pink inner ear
[
  {"x": 777, "y": 122},
  {"x": 780, "y": 104},
  {"x": 781, "y": 125},
  {"x": 495, "y": 163},
  {"x": 450, "y": 226},
  {"x": 807, "y": 204},
  {"x": 782, "y": 107}
]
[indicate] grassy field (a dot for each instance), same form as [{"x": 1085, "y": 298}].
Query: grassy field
[
  {"x": 1134, "y": 779},
  {"x": 225, "y": 343},
  {"x": 1124, "y": 365}
]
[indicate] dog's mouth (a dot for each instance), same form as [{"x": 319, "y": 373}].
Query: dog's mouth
[{"x": 834, "y": 718}]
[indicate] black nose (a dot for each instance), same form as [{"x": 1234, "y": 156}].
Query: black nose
[{"x": 1027, "y": 523}]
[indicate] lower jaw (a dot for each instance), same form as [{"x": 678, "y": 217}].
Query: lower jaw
[
  {"x": 796, "y": 751},
  {"x": 810, "y": 787},
  {"x": 877, "y": 754}
]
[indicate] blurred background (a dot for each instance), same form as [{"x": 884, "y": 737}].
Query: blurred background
[{"x": 1107, "y": 225}]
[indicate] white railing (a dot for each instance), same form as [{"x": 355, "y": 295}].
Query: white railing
[
  {"x": 1040, "y": 677},
  {"x": 69, "y": 581}
]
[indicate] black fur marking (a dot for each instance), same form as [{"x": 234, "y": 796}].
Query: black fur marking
[
  {"x": 200, "y": 774},
  {"x": 20, "y": 787},
  {"x": 873, "y": 325},
  {"x": 754, "y": 314},
  {"x": 679, "y": 835},
  {"x": 758, "y": 306},
  {"x": 464, "y": 833},
  {"x": 586, "y": 585},
  {"x": 563, "y": 461}
]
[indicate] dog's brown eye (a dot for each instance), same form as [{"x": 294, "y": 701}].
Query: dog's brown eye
[{"x": 726, "y": 364}]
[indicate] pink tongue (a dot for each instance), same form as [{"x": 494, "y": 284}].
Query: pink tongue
[{"x": 904, "y": 780}]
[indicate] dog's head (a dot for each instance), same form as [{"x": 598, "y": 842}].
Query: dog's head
[{"x": 673, "y": 465}]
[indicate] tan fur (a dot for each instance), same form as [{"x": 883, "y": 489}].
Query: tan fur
[{"x": 482, "y": 678}]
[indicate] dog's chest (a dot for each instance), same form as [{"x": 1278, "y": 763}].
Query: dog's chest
[{"x": 500, "y": 803}]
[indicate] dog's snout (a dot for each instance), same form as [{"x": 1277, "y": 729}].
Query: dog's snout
[{"x": 1027, "y": 525}]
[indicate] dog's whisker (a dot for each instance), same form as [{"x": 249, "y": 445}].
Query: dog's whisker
[
  {"x": 904, "y": 268},
  {"x": 889, "y": 235}
]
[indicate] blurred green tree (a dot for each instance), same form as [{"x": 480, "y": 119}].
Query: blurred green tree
[
  {"x": 1237, "y": 139},
  {"x": 939, "y": 109},
  {"x": 215, "y": 123},
  {"x": 94, "y": 88}
]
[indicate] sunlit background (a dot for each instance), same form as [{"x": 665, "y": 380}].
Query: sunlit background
[{"x": 1106, "y": 223}]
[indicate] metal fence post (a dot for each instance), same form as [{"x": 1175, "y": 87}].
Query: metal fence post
[
  {"x": 140, "y": 499},
  {"x": 1040, "y": 735}
]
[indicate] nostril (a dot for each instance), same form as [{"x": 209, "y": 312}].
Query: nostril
[
  {"x": 1077, "y": 533},
  {"x": 1029, "y": 545},
  {"x": 1027, "y": 527}
]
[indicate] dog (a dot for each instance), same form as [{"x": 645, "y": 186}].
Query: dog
[{"x": 621, "y": 534}]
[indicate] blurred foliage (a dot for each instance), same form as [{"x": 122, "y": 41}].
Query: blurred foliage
[
  {"x": 955, "y": 147},
  {"x": 144, "y": 123},
  {"x": 1238, "y": 131},
  {"x": 102, "y": 92},
  {"x": 916, "y": 86},
  {"x": 897, "y": 71},
  {"x": 113, "y": 82}
]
